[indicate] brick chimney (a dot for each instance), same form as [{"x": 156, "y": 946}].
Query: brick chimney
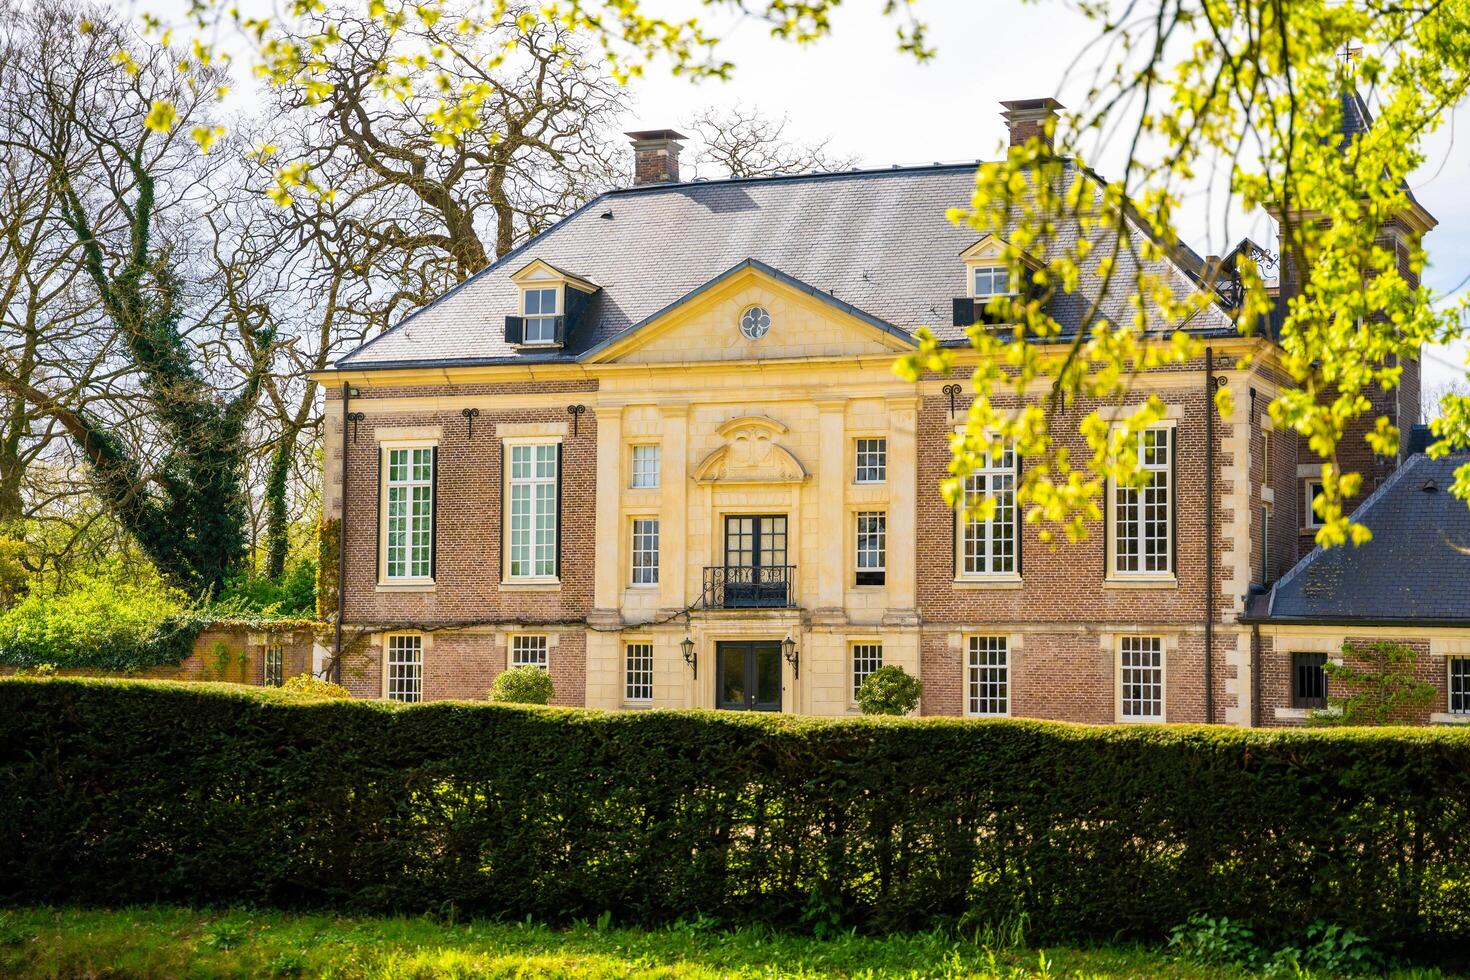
[
  {"x": 656, "y": 156},
  {"x": 1029, "y": 117}
]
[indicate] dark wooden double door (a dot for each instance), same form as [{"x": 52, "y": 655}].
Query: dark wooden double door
[{"x": 748, "y": 675}]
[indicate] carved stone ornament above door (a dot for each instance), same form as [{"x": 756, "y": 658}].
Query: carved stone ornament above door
[{"x": 751, "y": 454}]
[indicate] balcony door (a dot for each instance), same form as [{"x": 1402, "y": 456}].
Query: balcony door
[
  {"x": 755, "y": 560},
  {"x": 748, "y": 675}
]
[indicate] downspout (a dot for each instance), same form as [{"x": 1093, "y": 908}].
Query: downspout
[
  {"x": 1209, "y": 535},
  {"x": 341, "y": 548},
  {"x": 1255, "y": 675}
]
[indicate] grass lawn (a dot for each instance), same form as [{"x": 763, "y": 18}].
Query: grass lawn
[{"x": 172, "y": 942}]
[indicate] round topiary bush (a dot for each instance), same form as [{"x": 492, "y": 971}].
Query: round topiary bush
[
  {"x": 309, "y": 687},
  {"x": 522, "y": 685},
  {"x": 889, "y": 691}
]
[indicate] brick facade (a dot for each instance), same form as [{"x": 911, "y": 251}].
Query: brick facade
[
  {"x": 469, "y": 543},
  {"x": 1276, "y": 654}
]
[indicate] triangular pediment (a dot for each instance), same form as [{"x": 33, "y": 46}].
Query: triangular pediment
[
  {"x": 753, "y": 313},
  {"x": 993, "y": 248}
]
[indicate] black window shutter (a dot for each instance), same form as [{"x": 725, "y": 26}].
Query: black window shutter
[
  {"x": 1016, "y": 506},
  {"x": 515, "y": 329},
  {"x": 559, "y": 327},
  {"x": 1173, "y": 498},
  {"x": 954, "y": 542},
  {"x": 500, "y": 495},
  {"x": 558, "y": 508},
  {"x": 1107, "y": 529},
  {"x": 964, "y": 311},
  {"x": 434, "y": 513},
  {"x": 574, "y": 303},
  {"x": 377, "y": 524}
]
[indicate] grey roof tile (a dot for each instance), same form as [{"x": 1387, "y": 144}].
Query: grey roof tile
[
  {"x": 879, "y": 241},
  {"x": 1416, "y": 567}
]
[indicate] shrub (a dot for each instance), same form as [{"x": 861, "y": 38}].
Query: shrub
[
  {"x": 308, "y": 687},
  {"x": 108, "y": 622},
  {"x": 255, "y": 596},
  {"x": 129, "y": 792},
  {"x": 1382, "y": 686},
  {"x": 522, "y": 685},
  {"x": 889, "y": 691}
]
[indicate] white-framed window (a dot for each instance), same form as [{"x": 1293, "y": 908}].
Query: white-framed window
[
  {"x": 1266, "y": 457},
  {"x": 645, "y": 467},
  {"x": 991, "y": 280},
  {"x": 274, "y": 666},
  {"x": 1459, "y": 685},
  {"x": 645, "y": 551},
  {"x": 404, "y": 659},
  {"x": 1141, "y": 678},
  {"x": 531, "y": 527},
  {"x": 988, "y": 547},
  {"x": 872, "y": 547},
  {"x": 539, "y": 307},
  {"x": 408, "y": 513},
  {"x": 1143, "y": 518},
  {"x": 872, "y": 461},
  {"x": 638, "y": 672},
  {"x": 866, "y": 658},
  {"x": 988, "y": 675},
  {"x": 528, "y": 650},
  {"x": 1312, "y": 491}
]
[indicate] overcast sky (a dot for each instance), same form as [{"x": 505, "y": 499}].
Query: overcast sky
[{"x": 876, "y": 104}]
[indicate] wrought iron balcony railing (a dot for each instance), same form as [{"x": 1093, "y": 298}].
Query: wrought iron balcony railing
[{"x": 749, "y": 586}]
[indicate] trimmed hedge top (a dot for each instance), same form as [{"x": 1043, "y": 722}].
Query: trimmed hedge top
[{"x": 117, "y": 792}]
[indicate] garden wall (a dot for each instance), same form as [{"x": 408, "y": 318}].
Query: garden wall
[
  {"x": 233, "y": 652},
  {"x": 115, "y": 792}
]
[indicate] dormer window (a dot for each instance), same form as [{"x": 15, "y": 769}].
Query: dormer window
[
  {"x": 540, "y": 308},
  {"x": 991, "y": 280},
  {"x": 553, "y": 304},
  {"x": 992, "y": 269}
]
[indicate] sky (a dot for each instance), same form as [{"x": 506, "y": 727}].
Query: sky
[
  {"x": 872, "y": 102},
  {"x": 881, "y": 106}
]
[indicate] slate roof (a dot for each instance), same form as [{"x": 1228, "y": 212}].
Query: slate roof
[
  {"x": 1416, "y": 568},
  {"x": 877, "y": 240}
]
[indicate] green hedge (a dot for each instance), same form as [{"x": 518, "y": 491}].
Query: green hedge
[{"x": 117, "y": 792}]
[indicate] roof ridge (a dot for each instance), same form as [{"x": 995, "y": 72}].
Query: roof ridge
[{"x": 894, "y": 170}]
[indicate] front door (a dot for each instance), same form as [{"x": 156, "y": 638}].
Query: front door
[{"x": 748, "y": 675}]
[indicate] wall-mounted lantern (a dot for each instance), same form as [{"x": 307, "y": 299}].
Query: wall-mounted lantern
[
  {"x": 688, "y": 647},
  {"x": 788, "y": 650}
]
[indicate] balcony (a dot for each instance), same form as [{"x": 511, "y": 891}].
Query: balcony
[{"x": 749, "y": 586}]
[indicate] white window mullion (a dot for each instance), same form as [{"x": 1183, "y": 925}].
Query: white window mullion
[
  {"x": 409, "y": 513},
  {"x": 988, "y": 547},
  {"x": 532, "y": 527},
  {"x": 645, "y": 551},
  {"x": 1143, "y": 518},
  {"x": 638, "y": 680},
  {"x": 1459, "y": 668},
  {"x": 866, "y": 658},
  {"x": 405, "y": 667},
  {"x": 1141, "y": 678},
  {"x": 989, "y": 675},
  {"x": 529, "y": 651}
]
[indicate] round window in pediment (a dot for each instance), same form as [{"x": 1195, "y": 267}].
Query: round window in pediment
[{"x": 755, "y": 322}]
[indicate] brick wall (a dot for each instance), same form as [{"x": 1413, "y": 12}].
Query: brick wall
[
  {"x": 1065, "y": 582},
  {"x": 1276, "y": 680},
  {"x": 461, "y": 666},
  {"x": 231, "y": 654},
  {"x": 469, "y": 548}
]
